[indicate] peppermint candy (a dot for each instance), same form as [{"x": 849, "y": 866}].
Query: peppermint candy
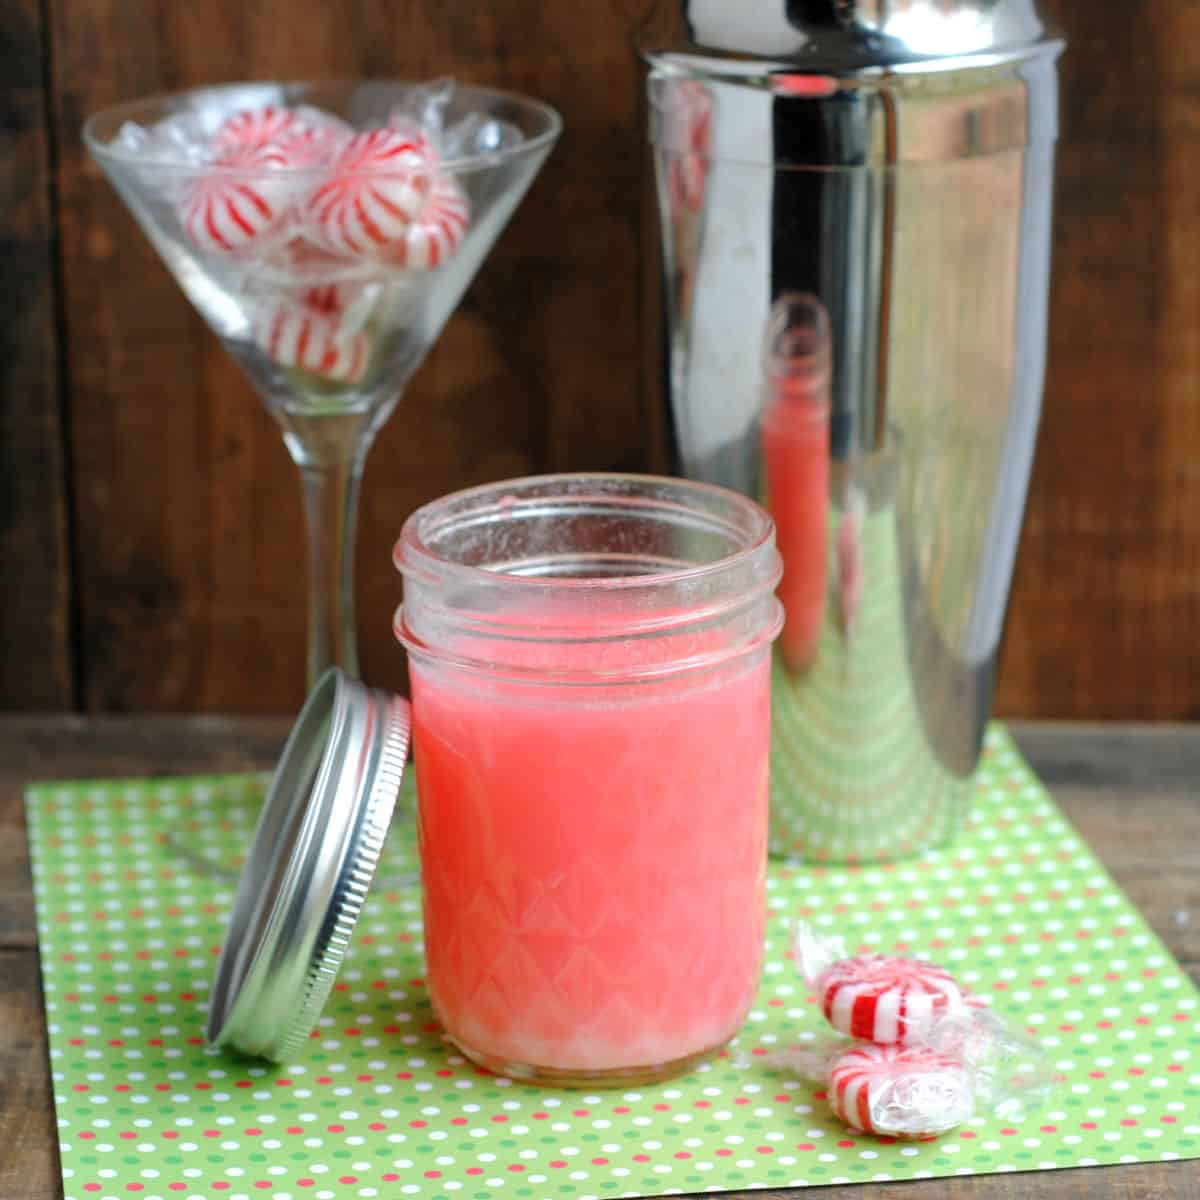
[
  {"x": 258, "y": 127},
  {"x": 436, "y": 234},
  {"x": 239, "y": 202},
  {"x": 900, "y": 1091},
  {"x": 300, "y": 335},
  {"x": 887, "y": 1000},
  {"x": 379, "y": 184},
  {"x": 410, "y": 128}
]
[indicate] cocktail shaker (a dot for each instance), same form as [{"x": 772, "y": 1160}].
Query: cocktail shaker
[{"x": 855, "y": 201}]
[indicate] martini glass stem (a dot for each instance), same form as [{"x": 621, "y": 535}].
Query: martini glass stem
[{"x": 330, "y": 451}]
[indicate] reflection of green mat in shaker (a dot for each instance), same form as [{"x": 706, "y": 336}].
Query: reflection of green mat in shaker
[{"x": 852, "y": 774}]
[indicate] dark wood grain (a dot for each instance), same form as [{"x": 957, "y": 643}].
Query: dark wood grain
[
  {"x": 1130, "y": 791},
  {"x": 35, "y": 604},
  {"x": 1105, "y": 617},
  {"x": 191, "y": 558},
  {"x": 171, "y": 482}
]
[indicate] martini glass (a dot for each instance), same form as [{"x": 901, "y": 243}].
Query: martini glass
[{"x": 328, "y": 327}]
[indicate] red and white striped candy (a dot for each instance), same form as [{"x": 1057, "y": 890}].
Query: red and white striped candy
[
  {"x": 304, "y": 337},
  {"x": 380, "y": 182},
  {"x": 900, "y": 1091},
  {"x": 258, "y": 127},
  {"x": 887, "y": 1000},
  {"x": 412, "y": 129},
  {"x": 239, "y": 202},
  {"x": 435, "y": 235}
]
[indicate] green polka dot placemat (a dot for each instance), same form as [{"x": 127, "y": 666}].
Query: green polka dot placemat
[{"x": 131, "y": 912}]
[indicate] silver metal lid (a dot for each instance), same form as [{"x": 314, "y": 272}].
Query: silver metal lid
[
  {"x": 314, "y": 854},
  {"x": 840, "y": 36}
]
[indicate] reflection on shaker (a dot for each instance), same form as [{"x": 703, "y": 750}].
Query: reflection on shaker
[
  {"x": 795, "y": 437},
  {"x": 851, "y": 567}
]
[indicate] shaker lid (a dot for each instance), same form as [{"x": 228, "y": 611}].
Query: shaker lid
[
  {"x": 314, "y": 854},
  {"x": 837, "y": 36}
]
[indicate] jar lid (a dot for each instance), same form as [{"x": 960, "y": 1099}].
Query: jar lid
[{"x": 314, "y": 854}]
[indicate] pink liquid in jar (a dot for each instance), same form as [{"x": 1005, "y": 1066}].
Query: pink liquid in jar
[{"x": 592, "y": 807}]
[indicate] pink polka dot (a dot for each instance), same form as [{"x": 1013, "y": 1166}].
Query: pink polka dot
[
  {"x": 390, "y": 1177},
  {"x": 86, "y": 1134},
  {"x": 1008, "y": 1132},
  {"x": 377, "y": 1126},
  {"x": 804, "y": 1146},
  {"x": 91, "y": 1187},
  {"x": 177, "y": 1187},
  {"x": 724, "y": 1153},
  {"x": 678, "y": 1154},
  {"x": 515, "y": 1167},
  {"x": 641, "y": 1158},
  {"x": 1128, "y": 1121},
  {"x": 347, "y": 1179},
  {"x": 769, "y": 1150},
  {"x": 1168, "y": 1120},
  {"x": 558, "y": 1163},
  {"x": 220, "y": 1186},
  {"x": 433, "y": 1174},
  {"x": 846, "y": 1143},
  {"x": 1087, "y": 1124},
  {"x": 479, "y": 1170},
  {"x": 262, "y": 1183},
  {"x": 603, "y": 1162},
  {"x": 305, "y": 1183},
  {"x": 499, "y": 1119},
  {"x": 252, "y": 1132}
]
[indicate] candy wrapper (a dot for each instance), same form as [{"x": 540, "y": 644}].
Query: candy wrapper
[{"x": 919, "y": 1054}]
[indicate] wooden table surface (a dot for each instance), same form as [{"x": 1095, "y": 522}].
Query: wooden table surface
[{"x": 1131, "y": 791}]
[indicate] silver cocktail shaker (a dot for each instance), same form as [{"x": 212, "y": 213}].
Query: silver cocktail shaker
[{"x": 855, "y": 199}]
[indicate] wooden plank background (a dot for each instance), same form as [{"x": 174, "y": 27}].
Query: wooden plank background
[{"x": 150, "y": 518}]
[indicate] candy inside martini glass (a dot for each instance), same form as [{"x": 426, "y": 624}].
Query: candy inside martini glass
[{"x": 325, "y": 231}]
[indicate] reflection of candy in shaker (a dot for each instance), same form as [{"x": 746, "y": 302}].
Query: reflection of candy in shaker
[
  {"x": 435, "y": 235},
  {"x": 379, "y": 184},
  {"x": 795, "y": 435},
  {"x": 244, "y": 199},
  {"x": 887, "y": 1000},
  {"x": 900, "y": 1091},
  {"x": 687, "y": 171}
]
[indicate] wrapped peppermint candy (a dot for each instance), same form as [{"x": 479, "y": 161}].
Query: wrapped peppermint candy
[
  {"x": 877, "y": 997},
  {"x": 923, "y": 1054}
]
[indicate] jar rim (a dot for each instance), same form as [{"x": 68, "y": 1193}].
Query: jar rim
[{"x": 412, "y": 554}]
